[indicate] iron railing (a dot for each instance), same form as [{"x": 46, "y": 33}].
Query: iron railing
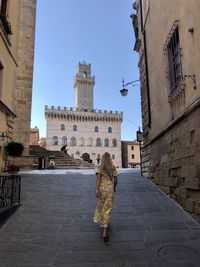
[{"x": 10, "y": 190}]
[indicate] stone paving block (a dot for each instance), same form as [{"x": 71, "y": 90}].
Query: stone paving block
[
  {"x": 128, "y": 246},
  {"x": 168, "y": 225},
  {"x": 30, "y": 257},
  {"x": 29, "y": 265},
  {"x": 154, "y": 236},
  {"x": 75, "y": 257},
  {"x": 127, "y": 236}
]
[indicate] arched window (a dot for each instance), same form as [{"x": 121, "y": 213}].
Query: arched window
[
  {"x": 75, "y": 128},
  {"x": 96, "y": 129},
  {"x": 90, "y": 141},
  {"x": 109, "y": 129},
  {"x": 114, "y": 142},
  {"x": 62, "y": 127},
  {"x": 106, "y": 142},
  {"x": 55, "y": 140},
  {"x": 64, "y": 140},
  {"x": 98, "y": 142},
  {"x": 73, "y": 141}
]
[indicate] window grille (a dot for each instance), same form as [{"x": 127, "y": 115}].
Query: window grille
[
  {"x": 62, "y": 127},
  {"x": 75, "y": 128},
  {"x": 174, "y": 65},
  {"x": 55, "y": 140},
  {"x": 114, "y": 142},
  {"x": 64, "y": 140},
  {"x": 106, "y": 142},
  {"x": 98, "y": 142},
  {"x": 73, "y": 141}
]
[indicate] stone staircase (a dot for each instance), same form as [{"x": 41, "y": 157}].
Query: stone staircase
[{"x": 62, "y": 160}]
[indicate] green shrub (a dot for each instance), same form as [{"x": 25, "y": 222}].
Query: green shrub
[{"x": 14, "y": 149}]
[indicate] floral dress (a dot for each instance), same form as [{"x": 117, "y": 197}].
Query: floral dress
[{"x": 105, "y": 204}]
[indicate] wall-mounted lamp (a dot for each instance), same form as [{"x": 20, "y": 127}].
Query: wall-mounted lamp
[
  {"x": 193, "y": 78},
  {"x": 124, "y": 91},
  {"x": 2, "y": 136},
  {"x": 139, "y": 136}
]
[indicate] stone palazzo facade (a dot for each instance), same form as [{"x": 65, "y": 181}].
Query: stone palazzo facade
[
  {"x": 168, "y": 42},
  {"x": 17, "y": 35},
  {"x": 87, "y": 132}
]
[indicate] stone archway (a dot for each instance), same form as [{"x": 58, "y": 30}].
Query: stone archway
[{"x": 86, "y": 157}]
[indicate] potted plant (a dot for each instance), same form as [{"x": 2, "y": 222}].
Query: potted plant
[{"x": 14, "y": 149}]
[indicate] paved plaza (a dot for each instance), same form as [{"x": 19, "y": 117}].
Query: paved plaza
[{"x": 54, "y": 225}]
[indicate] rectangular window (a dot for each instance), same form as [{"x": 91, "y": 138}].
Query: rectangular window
[
  {"x": 174, "y": 70},
  {"x": 132, "y": 147},
  {"x": 133, "y": 156},
  {"x": 1, "y": 79},
  {"x": 3, "y": 4}
]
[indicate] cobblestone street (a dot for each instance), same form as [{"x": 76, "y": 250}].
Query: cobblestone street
[{"x": 54, "y": 226}]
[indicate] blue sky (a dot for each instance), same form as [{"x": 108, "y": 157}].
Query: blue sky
[{"x": 97, "y": 32}]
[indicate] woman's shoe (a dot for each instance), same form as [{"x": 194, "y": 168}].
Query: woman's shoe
[
  {"x": 105, "y": 235},
  {"x": 106, "y": 238}
]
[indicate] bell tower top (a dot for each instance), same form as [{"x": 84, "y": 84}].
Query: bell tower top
[{"x": 83, "y": 86}]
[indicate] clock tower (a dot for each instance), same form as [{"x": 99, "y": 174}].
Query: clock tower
[{"x": 83, "y": 86}]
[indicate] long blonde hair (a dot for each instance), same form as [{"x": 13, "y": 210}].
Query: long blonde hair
[{"x": 107, "y": 164}]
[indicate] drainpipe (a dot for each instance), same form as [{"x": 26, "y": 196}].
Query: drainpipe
[{"x": 146, "y": 63}]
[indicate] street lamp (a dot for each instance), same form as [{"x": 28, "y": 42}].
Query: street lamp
[
  {"x": 139, "y": 140},
  {"x": 124, "y": 91}
]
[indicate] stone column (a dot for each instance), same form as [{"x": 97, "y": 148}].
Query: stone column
[{"x": 24, "y": 77}]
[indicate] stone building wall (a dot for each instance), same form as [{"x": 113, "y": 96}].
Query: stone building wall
[
  {"x": 24, "y": 77},
  {"x": 85, "y": 135},
  {"x": 8, "y": 69},
  {"x": 175, "y": 162},
  {"x": 130, "y": 154},
  {"x": 168, "y": 47},
  {"x": 34, "y": 136}
]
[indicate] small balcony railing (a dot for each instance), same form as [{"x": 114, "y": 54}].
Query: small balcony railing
[
  {"x": 10, "y": 190},
  {"x": 6, "y": 24}
]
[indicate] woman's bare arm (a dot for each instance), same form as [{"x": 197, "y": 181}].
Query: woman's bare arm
[
  {"x": 115, "y": 183},
  {"x": 98, "y": 182}
]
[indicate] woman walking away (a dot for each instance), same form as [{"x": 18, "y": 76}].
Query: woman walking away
[{"x": 106, "y": 182}]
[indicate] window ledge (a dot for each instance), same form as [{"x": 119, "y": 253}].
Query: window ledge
[{"x": 177, "y": 93}]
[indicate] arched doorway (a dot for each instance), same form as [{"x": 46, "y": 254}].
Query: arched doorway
[{"x": 86, "y": 157}]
